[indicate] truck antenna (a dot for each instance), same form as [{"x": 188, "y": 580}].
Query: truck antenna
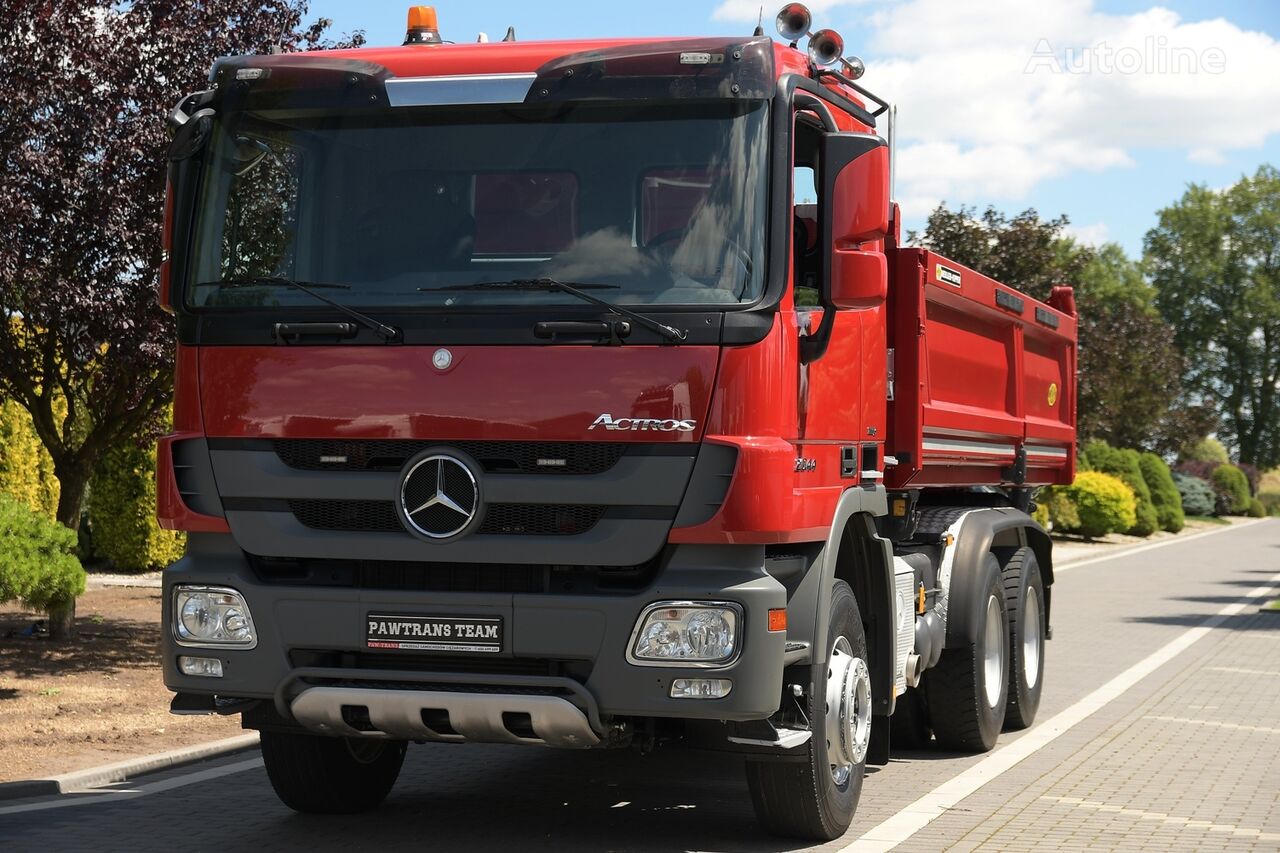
[
  {"x": 511, "y": 34},
  {"x": 759, "y": 24}
]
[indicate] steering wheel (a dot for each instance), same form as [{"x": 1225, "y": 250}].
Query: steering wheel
[{"x": 664, "y": 237}]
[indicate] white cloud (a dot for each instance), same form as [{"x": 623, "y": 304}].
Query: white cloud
[
  {"x": 1089, "y": 235},
  {"x": 995, "y": 99}
]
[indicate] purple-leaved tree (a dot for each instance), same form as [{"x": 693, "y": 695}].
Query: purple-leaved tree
[{"x": 88, "y": 83}]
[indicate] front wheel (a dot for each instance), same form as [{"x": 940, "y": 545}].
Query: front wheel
[
  {"x": 816, "y": 800},
  {"x": 330, "y": 775}
]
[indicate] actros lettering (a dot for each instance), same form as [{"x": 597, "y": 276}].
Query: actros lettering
[{"x": 653, "y": 424}]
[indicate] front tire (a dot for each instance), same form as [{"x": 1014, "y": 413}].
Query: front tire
[
  {"x": 314, "y": 774},
  {"x": 816, "y": 800},
  {"x": 1024, "y": 600},
  {"x": 968, "y": 688}
]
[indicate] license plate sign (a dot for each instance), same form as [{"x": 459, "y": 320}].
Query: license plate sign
[{"x": 482, "y": 634}]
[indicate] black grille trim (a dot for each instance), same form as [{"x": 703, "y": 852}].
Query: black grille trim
[
  {"x": 501, "y": 519},
  {"x": 494, "y": 456}
]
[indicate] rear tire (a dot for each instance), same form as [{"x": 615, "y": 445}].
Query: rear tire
[
  {"x": 314, "y": 774},
  {"x": 1024, "y": 601},
  {"x": 816, "y": 800},
  {"x": 968, "y": 688}
]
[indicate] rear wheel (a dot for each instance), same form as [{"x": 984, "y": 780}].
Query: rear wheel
[
  {"x": 968, "y": 687},
  {"x": 331, "y": 775},
  {"x": 1024, "y": 601},
  {"x": 816, "y": 800}
]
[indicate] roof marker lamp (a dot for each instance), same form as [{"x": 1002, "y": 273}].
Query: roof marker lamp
[{"x": 424, "y": 27}]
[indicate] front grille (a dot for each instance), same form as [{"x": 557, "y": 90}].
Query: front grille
[
  {"x": 423, "y": 662},
  {"x": 363, "y": 516},
  {"x": 508, "y": 519},
  {"x": 455, "y": 577},
  {"x": 529, "y": 457}
]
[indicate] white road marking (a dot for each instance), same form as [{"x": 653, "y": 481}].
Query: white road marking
[
  {"x": 1241, "y": 671},
  {"x": 1215, "y": 724},
  {"x": 932, "y": 805},
  {"x": 93, "y": 796},
  {"x": 1189, "y": 823},
  {"x": 1177, "y": 540}
]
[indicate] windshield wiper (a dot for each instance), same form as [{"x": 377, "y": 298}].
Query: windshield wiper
[
  {"x": 577, "y": 289},
  {"x": 387, "y": 333}
]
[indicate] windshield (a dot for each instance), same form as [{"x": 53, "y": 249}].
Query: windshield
[{"x": 664, "y": 203}]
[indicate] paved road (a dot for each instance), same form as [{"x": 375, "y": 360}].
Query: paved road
[{"x": 1159, "y": 729}]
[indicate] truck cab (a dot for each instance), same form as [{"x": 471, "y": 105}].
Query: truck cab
[{"x": 580, "y": 394}]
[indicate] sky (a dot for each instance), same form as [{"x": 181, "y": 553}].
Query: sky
[{"x": 1103, "y": 110}]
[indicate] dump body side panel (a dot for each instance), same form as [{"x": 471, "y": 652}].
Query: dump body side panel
[{"x": 984, "y": 379}]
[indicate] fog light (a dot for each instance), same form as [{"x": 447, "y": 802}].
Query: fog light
[
  {"x": 207, "y": 667},
  {"x": 688, "y": 633},
  {"x": 700, "y": 688},
  {"x": 212, "y": 616}
]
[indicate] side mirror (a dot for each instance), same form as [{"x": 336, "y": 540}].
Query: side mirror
[
  {"x": 854, "y": 209},
  {"x": 191, "y": 136}
]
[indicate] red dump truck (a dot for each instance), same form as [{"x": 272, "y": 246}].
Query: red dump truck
[{"x": 582, "y": 394}]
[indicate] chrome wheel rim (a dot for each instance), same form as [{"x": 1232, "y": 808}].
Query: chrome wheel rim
[
  {"x": 993, "y": 652},
  {"x": 1031, "y": 638},
  {"x": 848, "y": 711}
]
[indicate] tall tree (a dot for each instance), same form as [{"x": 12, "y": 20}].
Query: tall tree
[
  {"x": 83, "y": 346},
  {"x": 1214, "y": 258},
  {"x": 1023, "y": 251}
]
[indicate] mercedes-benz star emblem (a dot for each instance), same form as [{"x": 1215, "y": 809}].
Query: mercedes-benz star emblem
[{"x": 439, "y": 496}]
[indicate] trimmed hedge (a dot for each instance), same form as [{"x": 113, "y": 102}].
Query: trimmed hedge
[
  {"x": 1126, "y": 465},
  {"x": 1256, "y": 509},
  {"x": 1197, "y": 495},
  {"x": 26, "y": 470},
  {"x": 1102, "y": 504},
  {"x": 1232, "y": 487},
  {"x": 1164, "y": 494},
  {"x": 38, "y": 564},
  {"x": 122, "y": 512}
]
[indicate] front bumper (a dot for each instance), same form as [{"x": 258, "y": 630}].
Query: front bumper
[{"x": 583, "y": 636}]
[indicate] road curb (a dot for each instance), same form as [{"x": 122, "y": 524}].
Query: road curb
[{"x": 130, "y": 768}]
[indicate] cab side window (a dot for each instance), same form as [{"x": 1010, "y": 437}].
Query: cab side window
[{"x": 804, "y": 235}]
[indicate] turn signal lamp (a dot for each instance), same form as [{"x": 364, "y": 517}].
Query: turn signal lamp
[{"x": 424, "y": 27}]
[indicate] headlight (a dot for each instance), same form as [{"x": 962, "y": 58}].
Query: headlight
[
  {"x": 686, "y": 633},
  {"x": 212, "y": 616}
]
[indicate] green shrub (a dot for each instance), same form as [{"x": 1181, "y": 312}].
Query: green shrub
[
  {"x": 1232, "y": 487},
  {"x": 1041, "y": 515},
  {"x": 1197, "y": 495},
  {"x": 26, "y": 470},
  {"x": 1126, "y": 465},
  {"x": 38, "y": 564},
  {"x": 1205, "y": 450},
  {"x": 1269, "y": 491},
  {"x": 122, "y": 512},
  {"x": 1256, "y": 509},
  {"x": 1101, "y": 503},
  {"x": 1164, "y": 494}
]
